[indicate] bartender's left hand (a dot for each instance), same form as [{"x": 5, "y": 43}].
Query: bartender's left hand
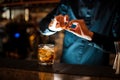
[{"x": 59, "y": 23}]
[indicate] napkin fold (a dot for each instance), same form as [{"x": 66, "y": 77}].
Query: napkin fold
[{"x": 116, "y": 64}]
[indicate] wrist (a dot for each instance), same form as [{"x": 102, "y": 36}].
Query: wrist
[{"x": 91, "y": 35}]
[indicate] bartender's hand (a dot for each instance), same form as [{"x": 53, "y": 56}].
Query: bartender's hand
[
  {"x": 81, "y": 29},
  {"x": 59, "y": 23},
  {"x": 62, "y": 20}
]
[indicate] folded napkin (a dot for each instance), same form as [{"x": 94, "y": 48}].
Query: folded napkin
[{"x": 116, "y": 64}]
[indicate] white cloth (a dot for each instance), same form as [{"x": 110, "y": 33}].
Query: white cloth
[{"x": 116, "y": 64}]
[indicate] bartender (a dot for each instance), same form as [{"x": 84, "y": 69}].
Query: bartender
[{"x": 100, "y": 17}]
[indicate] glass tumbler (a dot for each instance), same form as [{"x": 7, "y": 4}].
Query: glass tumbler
[{"x": 46, "y": 54}]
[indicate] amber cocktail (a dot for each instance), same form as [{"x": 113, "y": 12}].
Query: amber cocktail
[{"x": 46, "y": 54}]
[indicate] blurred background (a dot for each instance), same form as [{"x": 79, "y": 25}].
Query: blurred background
[{"x": 19, "y": 32}]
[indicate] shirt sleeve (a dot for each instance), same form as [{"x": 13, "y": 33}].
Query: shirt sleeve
[{"x": 105, "y": 41}]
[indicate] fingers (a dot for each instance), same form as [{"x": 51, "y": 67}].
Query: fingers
[
  {"x": 82, "y": 26},
  {"x": 62, "y": 20},
  {"x": 66, "y": 18},
  {"x": 76, "y": 21}
]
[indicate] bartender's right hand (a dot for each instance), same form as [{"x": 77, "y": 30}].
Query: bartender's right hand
[{"x": 81, "y": 29}]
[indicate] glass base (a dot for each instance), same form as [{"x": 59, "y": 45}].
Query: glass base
[{"x": 44, "y": 64}]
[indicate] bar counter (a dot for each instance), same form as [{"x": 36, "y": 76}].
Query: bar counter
[{"x": 59, "y": 68}]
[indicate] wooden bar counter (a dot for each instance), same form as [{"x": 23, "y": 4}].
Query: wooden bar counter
[{"x": 31, "y": 70}]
